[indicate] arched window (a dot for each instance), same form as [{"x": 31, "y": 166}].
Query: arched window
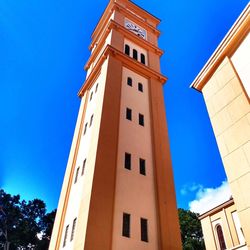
[
  {"x": 135, "y": 54},
  {"x": 143, "y": 60},
  {"x": 220, "y": 237},
  {"x": 129, "y": 81},
  {"x": 127, "y": 50}
]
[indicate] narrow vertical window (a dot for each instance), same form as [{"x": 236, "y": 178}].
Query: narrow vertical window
[
  {"x": 129, "y": 81},
  {"x": 77, "y": 172},
  {"x": 144, "y": 230},
  {"x": 65, "y": 236},
  {"x": 135, "y": 54},
  {"x": 91, "y": 120},
  {"x": 220, "y": 237},
  {"x": 126, "y": 225},
  {"x": 73, "y": 230},
  {"x": 141, "y": 119},
  {"x": 91, "y": 96},
  {"x": 96, "y": 87},
  {"x": 140, "y": 87},
  {"x": 143, "y": 59},
  {"x": 83, "y": 166},
  {"x": 127, "y": 161},
  {"x": 85, "y": 128},
  {"x": 142, "y": 166},
  {"x": 127, "y": 50},
  {"x": 129, "y": 114}
]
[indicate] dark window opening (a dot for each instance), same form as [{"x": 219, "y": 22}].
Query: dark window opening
[
  {"x": 127, "y": 50},
  {"x": 85, "y": 128},
  {"x": 91, "y": 96},
  {"x": 73, "y": 230},
  {"x": 129, "y": 114},
  {"x": 129, "y": 81},
  {"x": 65, "y": 236},
  {"x": 143, "y": 59},
  {"x": 83, "y": 166},
  {"x": 91, "y": 120},
  {"x": 126, "y": 225},
  {"x": 96, "y": 87},
  {"x": 220, "y": 237},
  {"x": 135, "y": 54},
  {"x": 140, "y": 87},
  {"x": 141, "y": 119},
  {"x": 142, "y": 167},
  {"x": 144, "y": 230},
  {"x": 127, "y": 161},
  {"x": 77, "y": 172}
]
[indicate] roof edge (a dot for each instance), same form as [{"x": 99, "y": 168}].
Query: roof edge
[{"x": 227, "y": 47}]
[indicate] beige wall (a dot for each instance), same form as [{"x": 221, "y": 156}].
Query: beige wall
[
  {"x": 87, "y": 150},
  {"x": 227, "y": 218},
  {"x": 106, "y": 190},
  {"x": 135, "y": 193},
  {"x": 241, "y": 62},
  {"x": 229, "y": 112}
]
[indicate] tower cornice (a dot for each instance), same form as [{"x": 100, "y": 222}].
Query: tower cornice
[
  {"x": 128, "y": 13},
  {"x": 127, "y": 62},
  {"x": 134, "y": 38}
]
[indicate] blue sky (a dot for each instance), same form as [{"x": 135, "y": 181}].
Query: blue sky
[{"x": 43, "y": 48}]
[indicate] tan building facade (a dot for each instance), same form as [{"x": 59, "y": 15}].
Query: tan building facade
[
  {"x": 222, "y": 229},
  {"x": 118, "y": 190},
  {"x": 225, "y": 84}
]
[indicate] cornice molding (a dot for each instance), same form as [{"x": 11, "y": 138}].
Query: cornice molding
[
  {"x": 107, "y": 14},
  {"x": 217, "y": 209},
  {"x": 127, "y": 62},
  {"x": 131, "y": 36},
  {"x": 225, "y": 49}
]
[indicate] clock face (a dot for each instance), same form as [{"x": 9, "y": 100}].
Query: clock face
[{"x": 135, "y": 29}]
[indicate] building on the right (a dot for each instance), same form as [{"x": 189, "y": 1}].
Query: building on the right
[
  {"x": 221, "y": 227},
  {"x": 225, "y": 84}
]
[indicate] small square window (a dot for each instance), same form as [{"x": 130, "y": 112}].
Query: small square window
[
  {"x": 65, "y": 236},
  {"x": 77, "y": 172},
  {"x": 135, "y": 54},
  {"x": 126, "y": 225},
  {"x": 129, "y": 81},
  {"x": 127, "y": 161},
  {"x": 143, "y": 59},
  {"x": 142, "y": 167},
  {"x": 128, "y": 114},
  {"x": 141, "y": 119},
  {"x": 91, "y": 96},
  {"x": 85, "y": 128},
  {"x": 140, "y": 87},
  {"x": 144, "y": 230},
  {"x": 73, "y": 230},
  {"x": 91, "y": 120},
  {"x": 127, "y": 50},
  {"x": 83, "y": 166},
  {"x": 96, "y": 87}
]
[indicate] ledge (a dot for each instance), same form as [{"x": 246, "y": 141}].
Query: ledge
[
  {"x": 127, "y": 62},
  {"x": 114, "y": 25},
  {"x": 225, "y": 49}
]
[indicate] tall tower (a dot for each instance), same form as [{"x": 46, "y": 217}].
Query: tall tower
[{"x": 118, "y": 190}]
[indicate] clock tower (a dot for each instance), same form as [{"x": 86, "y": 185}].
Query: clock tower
[{"x": 118, "y": 190}]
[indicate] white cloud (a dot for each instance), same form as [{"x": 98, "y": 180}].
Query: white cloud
[
  {"x": 208, "y": 198},
  {"x": 190, "y": 188}
]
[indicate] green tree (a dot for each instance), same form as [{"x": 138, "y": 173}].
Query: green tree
[
  {"x": 21, "y": 222},
  {"x": 191, "y": 231}
]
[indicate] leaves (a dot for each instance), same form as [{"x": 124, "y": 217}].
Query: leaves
[
  {"x": 191, "y": 231},
  {"x": 22, "y": 221}
]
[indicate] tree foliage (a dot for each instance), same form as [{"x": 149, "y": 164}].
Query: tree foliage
[
  {"x": 22, "y": 222},
  {"x": 191, "y": 231}
]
